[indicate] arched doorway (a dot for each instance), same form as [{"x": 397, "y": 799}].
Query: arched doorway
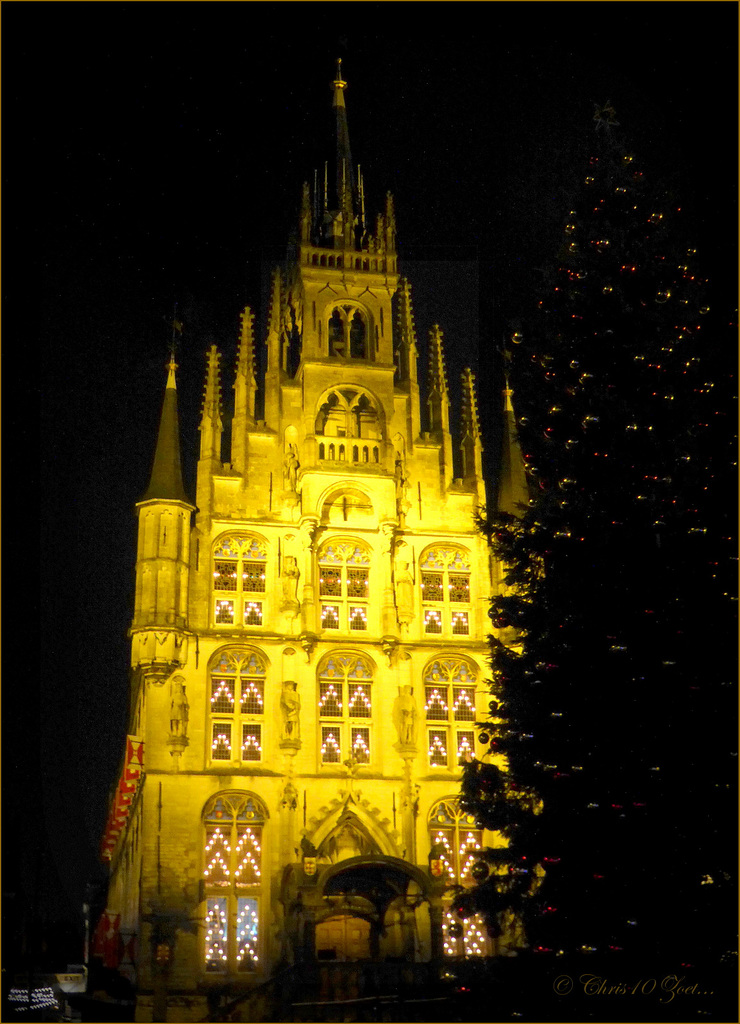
[{"x": 376, "y": 908}]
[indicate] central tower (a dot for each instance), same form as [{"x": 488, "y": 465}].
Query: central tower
[{"x": 309, "y": 655}]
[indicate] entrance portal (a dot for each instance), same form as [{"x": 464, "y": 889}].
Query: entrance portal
[{"x": 343, "y": 938}]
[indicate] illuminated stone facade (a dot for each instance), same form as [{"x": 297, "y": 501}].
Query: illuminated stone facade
[{"x": 309, "y": 647}]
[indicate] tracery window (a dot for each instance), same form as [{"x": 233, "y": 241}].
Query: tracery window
[
  {"x": 454, "y": 841},
  {"x": 348, "y": 332},
  {"x": 344, "y": 585},
  {"x": 239, "y": 578},
  {"x": 232, "y": 879},
  {"x": 347, "y": 423},
  {"x": 449, "y": 704},
  {"x": 445, "y": 590},
  {"x": 237, "y": 705},
  {"x": 345, "y": 708}
]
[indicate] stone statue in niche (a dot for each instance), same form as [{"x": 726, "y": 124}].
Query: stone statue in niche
[
  {"x": 179, "y": 708},
  {"x": 291, "y": 466},
  {"x": 290, "y": 796},
  {"x": 290, "y": 576},
  {"x": 402, "y": 485},
  {"x": 290, "y": 705},
  {"x": 404, "y": 582},
  {"x": 404, "y": 716},
  {"x": 399, "y": 475}
]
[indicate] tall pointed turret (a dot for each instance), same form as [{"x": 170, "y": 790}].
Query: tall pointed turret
[
  {"x": 471, "y": 449},
  {"x": 245, "y": 391},
  {"x": 345, "y": 179},
  {"x": 163, "y": 553},
  {"x": 438, "y": 405},
  {"x": 512, "y": 480},
  {"x": 274, "y": 355},
  {"x": 211, "y": 423},
  {"x": 211, "y": 429},
  {"x": 437, "y": 395},
  {"x": 406, "y": 348},
  {"x": 166, "y": 479},
  {"x": 406, "y": 355}
]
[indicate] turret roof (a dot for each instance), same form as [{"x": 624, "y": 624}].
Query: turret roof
[{"x": 166, "y": 480}]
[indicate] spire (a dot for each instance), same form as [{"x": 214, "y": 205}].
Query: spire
[
  {"x": 390, "y": 223},
  {"x": 211, "y": 424},
  {"x": 345, "y": 176},
  {"x": 406, "y": 347},
  {"x": 272, "y": 376},
  {"x": 470, "y": 446},
  {"x": 438, "y": 399},
  {"x": 245, "y": 385},
  {"x": 306, "y": 217},
  {"x": 273, "y": 322},
  {"x": 469, "y": 418},
  {"x": 512, "y": 481},
  {"x": 245, "y": 391},
  {"x": 166, "y": 479}
]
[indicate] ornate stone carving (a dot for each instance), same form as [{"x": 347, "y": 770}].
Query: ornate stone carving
[
  {"x": 389, "y": 645},
  {"x": 179, "y": 707},
  {"x": 404, "y": 717},
  {"x": 291, "y": 465},
  {"x": 290, "y": 576},
  {"x": 290, "y": 707},
  {"x": 290, "y": 796},
  {"x": 404, "y": 582},
  {"x": 308, "y": 642}
]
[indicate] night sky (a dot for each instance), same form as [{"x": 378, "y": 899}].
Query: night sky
[{"x": 154, "y": 153}]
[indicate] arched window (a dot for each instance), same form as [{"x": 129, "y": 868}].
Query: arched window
[
  {"x": 237, "y": 705},
  {"x": 239, "y": 577},
  {"x": 449, "y": 707},
  {"x": 348, "y": 332},
  {"x": 347, "y": 412},
  {"x": 454, "y": 840},
  {"x": 233, "y": 825},
  {"x": 445, "y": 590},
  {"x": 344, "y": 585},
  {"x": 345, "y": 708}
]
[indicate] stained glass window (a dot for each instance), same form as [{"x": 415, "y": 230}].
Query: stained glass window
[
  {"x": 239, "y": 569},
  {"x": 345, "y": 695},
  {"x": 449, "y": 697},
  {"x": 455, "y": 840},
  {"x": 344, "y": 574},
  {"x": 445, "y": 585},
  {"x": 232, "y": 863},
  {"x": 237, "y": 705}
]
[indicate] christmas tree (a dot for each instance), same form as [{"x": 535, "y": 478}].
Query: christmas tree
[{"x": 612, "y": 730}]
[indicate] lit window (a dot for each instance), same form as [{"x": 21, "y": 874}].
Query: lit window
[
  {"x": 460, "y": 623},
  {"x": 449, "y": 699},
  {"x": 232, "y": 867},
  {"x": 239, "y": 572},
  {"x": 344, "y": 577},
  {"x": 455, "y": 841},
  {"x": 432, "y": 621},
  {"x": 345, "y": 708},
  {"x": 445, "y": 590},
  {"x": 237, "y": 705}
]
